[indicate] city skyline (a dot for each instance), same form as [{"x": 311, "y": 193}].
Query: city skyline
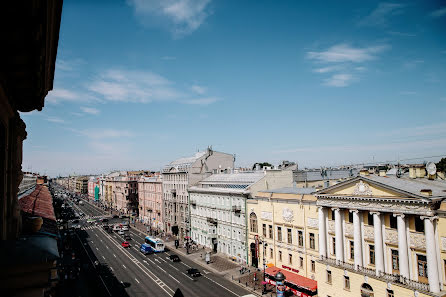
[{"x": 322, "y": 85}]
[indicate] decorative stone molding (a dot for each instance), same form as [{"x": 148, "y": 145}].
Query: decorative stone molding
[
  {"x": 287, "y": 215},
  {"x": 417, "y": 241},
  {"x": 267, "y": 215},
  {"x": 363, "y": 189},
  {"x": 443, "y": 243},
  {"x": 372, "y": 204},
  {"x": 313, "y": 223},
  {"x": 331, "y": 226},
  {"x": 349, "y": 229},
  {"x": 369, "y": 233},
  {"x": 391, "y": 236}
]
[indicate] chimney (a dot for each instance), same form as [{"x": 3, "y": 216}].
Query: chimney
[
  {"x": 421, "y": 171},
  {"x": 382, "y": 173},
  {"x": 364, "y": 172},
  {"x": 412, "y": 173},
  {"x": 426, "y": 192}
]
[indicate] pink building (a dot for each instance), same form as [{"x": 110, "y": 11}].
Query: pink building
[
  {"x": 124, "y": 193},
  {"x": 150, "y": 195}
]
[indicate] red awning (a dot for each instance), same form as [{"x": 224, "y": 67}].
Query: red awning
[{"x": 294, "y": 278}]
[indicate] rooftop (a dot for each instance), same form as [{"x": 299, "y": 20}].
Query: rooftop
[
  {"x": 231, "y": 178},
  {"x": 38, "y": 203},
  {"x": 291, "y": 190}
]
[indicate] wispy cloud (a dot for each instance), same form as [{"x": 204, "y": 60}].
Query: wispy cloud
[
  {"x": 202, "y": 101},
  {"x": 90, "y": 110},
  {"x": 133, "y": 86},
  {"x": 198, "y": 89},
  {"x": 402, "y": 34},
  {"x": 55, "y": 120},
  {"x": 182, "y": 16},
  {"x": 346, "y": 53},
  {"x": 68, "y": 65},
  {"x": 438, "y": 13},
  {"x": 58, "y": 95},
  {"x": 408, "y": 93},
  {"x": 341, "y": 61},
  {"x": 339, "y": 80},
  {"x": 380, "y": 16},
  {"x": 422, "y": 130},
  {"x": 98, "y": 133},
  {"x": 412, "y": 64}
]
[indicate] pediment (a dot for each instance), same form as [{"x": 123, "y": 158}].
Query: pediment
[{"x": 363, "y": 187}]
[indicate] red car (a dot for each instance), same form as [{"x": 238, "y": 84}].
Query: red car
[{"x": 125, "y": 244}]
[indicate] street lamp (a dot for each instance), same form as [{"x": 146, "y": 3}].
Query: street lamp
[
  {"x": 280, "y": 288},
  {"x": 264, "y": 266}
]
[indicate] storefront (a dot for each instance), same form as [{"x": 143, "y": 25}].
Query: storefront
[{"x": 299, "y": 285}]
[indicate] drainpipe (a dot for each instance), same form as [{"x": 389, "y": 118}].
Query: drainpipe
[{"x": 246, "y": 229}]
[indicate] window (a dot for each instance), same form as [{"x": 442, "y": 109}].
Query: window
[
  {"x": 422, "y": 266},
  {"x": 352, "y": 249},
  {"x": 350, "y": 217},
  {"x": 301, "y": 262},
  {"x": 279, "y": 233},
  {"x": 333, "y": 245},
  {"x": 393, "y": 222},
  {"x": 312, "y": 242},
  {"x": 300, "y": 236},
  {"x": 330, "y": 214},
  {"x": 329, "y": 277},
  {"x": 372, "y": 254},
  {"x": 270, "y": 231},
  {"x": 419, "y": 224},
  {"x": 290, "y": 258},
  {"x": 346, "y": 283},
  {"x": 253, "y": 222},
  {"x": 390, "y": 293},
  {"x": 290, "y": 236},
  {"x": 395, "y": 261},
  {"x": 369, "y": 219},
  {"x": 280, "y": 255},
  {"x": 264, "y": 230},
  {"x": 271, "y": 253}
]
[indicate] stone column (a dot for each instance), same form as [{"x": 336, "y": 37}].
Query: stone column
[
  {"x": 402, "y": 246},
  {"x": 379, "y": 251},
  {"x": 357, "y": 238},
  {"x": 322, "y": 232},
  {"x": 339, "y": 235},
  {"x": 431, "y": 255}
]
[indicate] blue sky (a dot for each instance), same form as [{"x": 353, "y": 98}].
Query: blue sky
[{"x": 323, "y": 83}]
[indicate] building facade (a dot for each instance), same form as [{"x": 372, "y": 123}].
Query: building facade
[
  {"x": 382, "y": 236},
  {"x": 283, "y": 235},
  {"x": 82, "y": 185},
  {"x": 178, "y": 176},
  {"x": 150, "y": 195},
  {"x": 124, "y": 193}
]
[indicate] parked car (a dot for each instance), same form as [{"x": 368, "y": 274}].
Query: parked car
[
  {"x": 127, "y": 237},
  {"x": 106, "y": 227},
  {"x": 104, "y": 220},
  {"x": 91, "y": 221},
  {"x": 146, "y": 249},
  {"x": 75, "y": 221},
  {"x": 174, "y": 258},
  {"x": 193, "y": 272},
  {"x": 125, "y": 244},
  {"x": 120, "y": 232},
  {"x": 125, "y": 228}
]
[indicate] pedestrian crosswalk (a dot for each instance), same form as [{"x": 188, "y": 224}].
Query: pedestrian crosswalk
[{"x": 88, "y": 217}]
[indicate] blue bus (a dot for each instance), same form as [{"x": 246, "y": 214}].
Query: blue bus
[{"x": 156, "y": 244}]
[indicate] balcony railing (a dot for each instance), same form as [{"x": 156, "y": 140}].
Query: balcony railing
[
  {"x": 386, "y": 277},
  {"x": 212, "y": 221},
  {"x": 236, "y": 208}
]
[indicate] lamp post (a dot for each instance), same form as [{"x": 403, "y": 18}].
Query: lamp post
[
  {"x": 264, "y": 266},
  {"x": 280, "y": 288}
]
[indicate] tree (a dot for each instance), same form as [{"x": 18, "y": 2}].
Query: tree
[
  {"x": 441, "y": 166},
  {"x": 264, "y": 164}
]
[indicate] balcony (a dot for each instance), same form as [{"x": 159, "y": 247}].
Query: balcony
[
  {"x": 385, "y": 277},
  {"x": 212, "y": 221},
  {"x": 236, "y": 208},
  {"x": 193, "y": 203}
]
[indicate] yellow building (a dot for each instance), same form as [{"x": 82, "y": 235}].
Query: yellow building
[
  {"x": 382, "y": 236},
  {"x": 283, "y": 227}
]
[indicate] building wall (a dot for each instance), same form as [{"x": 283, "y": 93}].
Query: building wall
[
  {"x": 150, "y": 194},
  {"x": 270, "y": 212}
]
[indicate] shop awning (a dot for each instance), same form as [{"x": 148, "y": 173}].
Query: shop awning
[{"x": 294, "y": 278}]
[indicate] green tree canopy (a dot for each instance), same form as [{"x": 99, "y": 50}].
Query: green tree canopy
[
  {"x": 441, "y": 166},
  {"x": 263, "y": 164}
]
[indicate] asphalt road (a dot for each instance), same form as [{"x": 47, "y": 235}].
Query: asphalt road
[{"x": 149, "y": 275}]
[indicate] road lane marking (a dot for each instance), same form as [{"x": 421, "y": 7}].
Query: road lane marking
[
  {"x": 135, "y": 248},
  {"x": 114, "y": 255},
  {"x": 174, "y": 278},
  {"x": 111, "y": 268},
  {"x": 220, "y": 285},
  {"x": 185, "y": 264},
  {"x": 157, "y": 260},
  {"x": 124, "y": 266},
  {"x": 174, "y": 267},
  {"x": 137, "y": 280},
  {"x": 97, "y": 249},
  {"x": 107, "y": 246},
  {"x": 103, "y": 257},
  {"x": 187, "y": 276}
]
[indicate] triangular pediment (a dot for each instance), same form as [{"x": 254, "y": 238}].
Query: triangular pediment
[{"x": 367, "y": 188}]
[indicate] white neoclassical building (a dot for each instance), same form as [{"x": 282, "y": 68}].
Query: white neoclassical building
[
  {"x": 382, "y": 236},
  {"x": 218, "y": 207}
]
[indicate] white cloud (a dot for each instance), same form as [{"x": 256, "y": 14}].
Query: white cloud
[
  {"x": 55, "y": 120},
  {"x": 438, "y": 13},
  {"x": 339, "y": 80},
  {"x": 201, "y": 101},
  {"x": 97, "y": 133},
  {"x": 182, "y": 16},
  {"x": 198, "y": 89},
  {"x": 346, "y": 53},
  {"x": 58, "y": 95},
  {"x": 68, "y": 65},
  {"x": 133, "y": 86},
  {"x": 412, "y": 64},
  {"x": 380, "y": 16},
  {"x": 327, "y": 69},
  {"x": 90, "y": 110}
]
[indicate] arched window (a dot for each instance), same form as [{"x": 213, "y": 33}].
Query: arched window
[
  {"x": 366, "y": 290},
  {"x": 253, "y": 222}
]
